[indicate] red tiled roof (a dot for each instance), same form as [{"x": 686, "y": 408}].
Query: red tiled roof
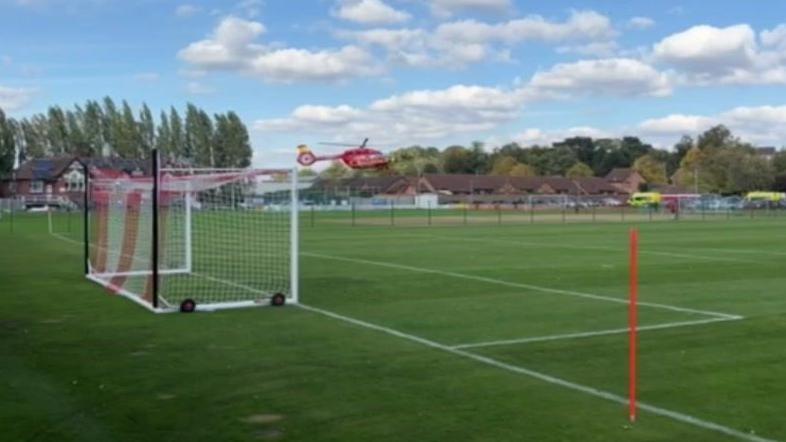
[
  {"x": 619, "y": 174},
  {"x": 596, "y": 186},
  {"x": 44, "y": 169}
]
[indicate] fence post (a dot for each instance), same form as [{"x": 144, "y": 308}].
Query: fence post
[
  {"x": 499, "y": 214},
  {"x": 11, "y": 217},
  {"x": 531, "y": 211},
  {"x": 465, "y": 213},
  {"x": 622, "y": 213},
  {"x": 564, "y": 210},
  {"x": 392, "y": 213},
  {"x": 594, "y": 211},
  {"x": 428, "y": 208},
  {"x": 353, "y": 214},
  {"x": 312, "y": 216}
]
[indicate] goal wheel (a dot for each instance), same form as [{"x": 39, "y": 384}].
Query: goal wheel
[
  {"x": 188, "y": 306},
  {"x": 278, "y": 300}
]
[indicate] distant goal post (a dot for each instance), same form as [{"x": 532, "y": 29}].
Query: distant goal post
[{"x": 194, "y": 238}]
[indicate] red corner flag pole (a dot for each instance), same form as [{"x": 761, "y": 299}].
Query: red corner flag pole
[{"x": 633, "y": 319}]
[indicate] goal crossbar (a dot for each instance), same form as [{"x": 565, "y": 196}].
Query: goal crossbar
[{"x": 218, "y": 237}]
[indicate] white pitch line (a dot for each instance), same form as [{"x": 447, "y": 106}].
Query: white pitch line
[
  {"x": 63, "y": 238},
  {"x": 521, "y": 285},
  {"x": 230, "y": 283},
  {"x": 677, "y": 416},
  {"x": 744, "y": 251},
  {"x": 680, "y": 417},
  {"x": 598, "y": 248},
  {"x": 615, "y": 331}
]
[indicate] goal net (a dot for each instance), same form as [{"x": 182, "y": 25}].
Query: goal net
[{"x": 216, "y": 238}]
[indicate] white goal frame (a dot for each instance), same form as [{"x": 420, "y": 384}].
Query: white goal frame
[{"x": 154, "y": 267}]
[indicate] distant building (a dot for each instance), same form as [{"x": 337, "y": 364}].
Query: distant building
[
  {"x": 768, "y": 152},
  {"x": 60, "y": 181},
  {"x": 626, "y": 180}
]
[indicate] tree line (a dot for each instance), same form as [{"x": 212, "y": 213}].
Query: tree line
[
  {"x": 106, "y": 129},
  {"x": 715, "y": 161}
]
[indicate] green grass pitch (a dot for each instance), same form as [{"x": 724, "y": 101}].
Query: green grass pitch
[{"x": 468, "y": 333}]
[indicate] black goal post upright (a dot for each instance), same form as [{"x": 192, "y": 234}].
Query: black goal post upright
[
  {"x": 154, "y": 251},
  {"x": 86, "y": 216}
]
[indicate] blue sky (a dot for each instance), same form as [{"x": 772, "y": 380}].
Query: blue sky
[{"x": 431, "y": 72}]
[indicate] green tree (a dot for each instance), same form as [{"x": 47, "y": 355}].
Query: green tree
[
  {"x": 110, "y": 125},
  {"x": 7, "y": 144},
  {"x": 503, "y": 165},
  {"x": 199, "y": 136},
  {"x": 717, "y": 137},
  {"x": 306, "y": 172},
  {"x": 92, "y": 127},
  {"x": 76, "y": 137},
  {"x": 688, "y": 175},
  {"x": 57, "y": 132},
  {"x": 147, "y": 131},
  {"x": 164, "y": 137},
  {"x": 231, "y": 143},
  {"x": 458, "y": 159},
  {"x": 34, "y": 134},
  {"x": 523, "y": 170},
  {"x": 335, "y": 171},
  {"x": 127, "y": 138},
  {"x": 579, "y": 170},
  {"x": 178, "y": 145},
  {"x": 651, "y": 169},
  {"x": 556, "y": 160}
]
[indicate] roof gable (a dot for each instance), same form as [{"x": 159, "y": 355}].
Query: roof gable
[{"x": 44, "y": 169}]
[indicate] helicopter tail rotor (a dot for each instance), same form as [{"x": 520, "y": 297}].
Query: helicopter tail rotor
[{"x": 304, "y": 156}]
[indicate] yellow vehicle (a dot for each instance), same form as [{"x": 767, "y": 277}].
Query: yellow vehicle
[
  {"x": 769, "y": 197},
  {"x": 645, "y": 199}
]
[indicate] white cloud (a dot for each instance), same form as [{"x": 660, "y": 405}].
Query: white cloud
[
  {"x": 580, "y": 26},
  {"x": 446, "y": 8},
  {"x": 775, "y": 38},
  {"x": 676, "y": 124},
  {"x": 233, "y": 46},
  {"x": 613, "y": 76},
  {"x": 640, "y": 23},
  {"x": 757, "y": 124},
  {"x": 535, "y": 136},
  {"x": 459, "y": 43},
  {"x": 410, "y": 117},
  {"x": 187, "y": 10},
  {"x": 709, "y": 49},
  {"x": 370, "y": 12},
  {"x": 299, "y": 65},
  {"x": 707, "y": 55},
  {"x": 13, "y": 99}
]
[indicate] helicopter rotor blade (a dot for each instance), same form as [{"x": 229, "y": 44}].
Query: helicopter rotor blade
[{"x": 326, "y": 143}]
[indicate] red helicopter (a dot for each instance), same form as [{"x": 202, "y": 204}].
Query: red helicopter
[{"x": 360, "y": 157}]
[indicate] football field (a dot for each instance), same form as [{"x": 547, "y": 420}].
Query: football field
[{"x": 479, "y": 332}]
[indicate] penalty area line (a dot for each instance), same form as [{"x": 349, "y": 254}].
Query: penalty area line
[
  {"x": 580, "y": 335},
  {"x": 522, "y": 285},
  {"x": 674, "y": 415}
]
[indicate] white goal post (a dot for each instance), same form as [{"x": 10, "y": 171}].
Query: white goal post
[{"x": 194, "y": 238}]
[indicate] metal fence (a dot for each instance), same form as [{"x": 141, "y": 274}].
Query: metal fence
[{"x": 524, "y": 209}]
